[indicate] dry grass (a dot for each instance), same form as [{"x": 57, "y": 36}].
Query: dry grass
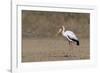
[
  {"x": 46, "y": 24},
  {"x": 53, "y": 49},
  {"x": 39, "y": 41}
]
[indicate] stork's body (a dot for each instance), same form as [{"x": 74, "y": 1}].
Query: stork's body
[{"x": 71, "y": 37}]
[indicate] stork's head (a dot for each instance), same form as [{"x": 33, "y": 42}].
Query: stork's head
[{"x": 60, "y": 30}]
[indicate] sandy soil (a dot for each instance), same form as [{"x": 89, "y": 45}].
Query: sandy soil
[{"x": 35, "y": 50}]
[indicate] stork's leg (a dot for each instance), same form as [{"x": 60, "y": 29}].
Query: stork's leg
[
  {"x": 71, "y": 49},
  {"x": 72, "y": 52},
  {"x": 70, "y": 45},
  {"x": 69, "y": 42},
  {"x": 68, "y": 53}
]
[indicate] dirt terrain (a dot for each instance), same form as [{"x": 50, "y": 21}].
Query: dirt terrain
[
  {"x": 39, "y": 42},
  {"x": 35, "y": 50}
]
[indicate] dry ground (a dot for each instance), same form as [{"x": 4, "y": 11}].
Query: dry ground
[{"x": 47, "y": 49}]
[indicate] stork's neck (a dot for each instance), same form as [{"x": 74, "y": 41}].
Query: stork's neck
[{"x": 63, "y": 30}]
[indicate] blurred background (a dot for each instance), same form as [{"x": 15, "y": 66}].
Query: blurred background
[
  {"x": 43, "y": 24},
  {"x": 39, "y": 42}
]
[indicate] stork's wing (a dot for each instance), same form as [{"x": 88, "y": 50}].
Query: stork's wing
[{"x": 71, "y": 35}]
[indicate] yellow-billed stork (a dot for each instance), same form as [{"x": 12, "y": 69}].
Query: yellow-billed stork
[{"x": 70, "y": 36}]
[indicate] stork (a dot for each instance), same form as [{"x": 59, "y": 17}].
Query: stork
[{"x": 70, "y": 36}]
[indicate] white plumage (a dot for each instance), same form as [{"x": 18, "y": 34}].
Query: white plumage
[
  {"x": 70, "y": 34},
  {"x": 71, "y": 37}
]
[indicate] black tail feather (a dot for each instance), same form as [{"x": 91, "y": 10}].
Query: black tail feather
[{"x": 77, "y": 42}]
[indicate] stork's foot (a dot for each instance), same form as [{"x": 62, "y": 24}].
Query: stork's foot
[{"x": 68, "y": 55}]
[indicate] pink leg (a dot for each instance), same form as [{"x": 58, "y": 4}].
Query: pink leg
[{"x": 71, "y": 49}]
